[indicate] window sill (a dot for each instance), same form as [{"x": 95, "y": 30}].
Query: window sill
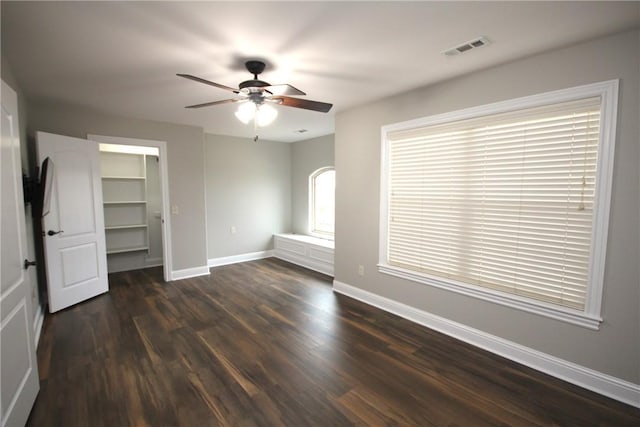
[
  {"x": 318, "y": 237},
  {"x": 574, "y": 317}
]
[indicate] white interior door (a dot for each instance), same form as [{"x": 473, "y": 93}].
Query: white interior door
[
  {"x": 18, "y": 366},
  {"x": 74, "y": 240}
]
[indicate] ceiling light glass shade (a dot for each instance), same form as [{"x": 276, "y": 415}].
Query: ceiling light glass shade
[
  {"x": 246, "y": 112},
  {"x": 265, "y": 115}
]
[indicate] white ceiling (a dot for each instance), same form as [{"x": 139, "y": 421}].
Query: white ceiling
[{"x": 122, "y": 57}]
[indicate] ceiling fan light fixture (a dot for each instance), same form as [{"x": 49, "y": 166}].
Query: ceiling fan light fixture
[
  {"x": 265, "y": 115},
  {"x": 246, "y": 112},
  {"x": 252, "y": 95}
]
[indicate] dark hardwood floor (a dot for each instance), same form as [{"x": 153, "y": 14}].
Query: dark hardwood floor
[{"x": 266, "y": 343}]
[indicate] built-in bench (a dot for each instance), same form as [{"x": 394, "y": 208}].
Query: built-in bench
[{"x": 310, "y": 252}]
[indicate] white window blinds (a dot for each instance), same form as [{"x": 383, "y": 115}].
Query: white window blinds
[{"x": 503, "y": 202}]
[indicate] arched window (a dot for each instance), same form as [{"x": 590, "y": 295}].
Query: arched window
[{"x": 322, "y": 188}]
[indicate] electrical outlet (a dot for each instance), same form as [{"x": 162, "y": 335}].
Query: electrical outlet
[
  {"x": 175, "y": 210},
  {"x": 361, "y": 270},
  {"x": 233, "y": 229}
]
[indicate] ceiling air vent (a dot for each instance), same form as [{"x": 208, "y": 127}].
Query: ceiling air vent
[{"x": 467, "y": 46}]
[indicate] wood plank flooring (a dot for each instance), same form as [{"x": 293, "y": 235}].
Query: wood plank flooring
[{"x": 266, "y": 343}]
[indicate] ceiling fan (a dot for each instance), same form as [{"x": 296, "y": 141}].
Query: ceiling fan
[{"x": 260, "y": 94}]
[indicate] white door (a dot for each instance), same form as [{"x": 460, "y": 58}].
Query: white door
[
  {"x": 74, "y": 240},
  {"x": 18, "y": 366}
]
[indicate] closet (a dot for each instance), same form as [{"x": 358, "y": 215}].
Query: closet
[{"x": 132, "y": 205}]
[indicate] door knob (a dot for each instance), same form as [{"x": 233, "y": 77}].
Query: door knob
[
  {"x": 28, "y": 263},
  {"x": 53, "y": 233}
]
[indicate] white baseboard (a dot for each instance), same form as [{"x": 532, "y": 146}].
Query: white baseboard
[
  {"x": 153, "y": 262},
  {"x": 233, "y": 259},
  {"x": 598, "y": 382},
  {"x": 190, "y": 272},
  {"x": 37, "y": 323}
]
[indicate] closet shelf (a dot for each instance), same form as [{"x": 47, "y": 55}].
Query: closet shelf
[
  {"x": 125, "y": 250},
  {"x": 125, "y": 227},
  {"x": 124, "y": 178},
  {"x": 126, "y": 202},
  {"x": 124, "y": 187}
]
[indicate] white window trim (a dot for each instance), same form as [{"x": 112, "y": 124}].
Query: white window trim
[
  {"x": 591, "y": 316},
  {"x": 311, "y": 206}
]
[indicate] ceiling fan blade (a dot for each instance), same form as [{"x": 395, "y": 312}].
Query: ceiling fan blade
[
  {"x": 284, "y": 89},
  {"x": 207, "y": 82},
  {"x": 307, "y": 104},
  {"x": 209, "y": 104}
]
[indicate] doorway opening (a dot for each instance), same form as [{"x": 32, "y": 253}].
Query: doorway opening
[{"x": 136, "y": 199}]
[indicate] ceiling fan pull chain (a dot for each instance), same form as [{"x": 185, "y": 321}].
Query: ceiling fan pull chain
[{"x": 255, "y": 130}]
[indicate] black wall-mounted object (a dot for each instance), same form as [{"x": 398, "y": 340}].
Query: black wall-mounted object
[
  {"x": 42, "y": 190},
  {"x": 28, "y": 188}
]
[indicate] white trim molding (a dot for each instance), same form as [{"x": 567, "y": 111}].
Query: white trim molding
[
  {"x": 234, "y": 259},
  {"x": 581, "y": 376},
  {"x": 190, "y": 272}
]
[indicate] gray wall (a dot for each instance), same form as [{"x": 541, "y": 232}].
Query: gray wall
[
  {"x": 184, "y": 157},
  {"x": 615, "y": 348},
  {"x": 248, "y": 186},
  {"x": 306, "y": 157}
]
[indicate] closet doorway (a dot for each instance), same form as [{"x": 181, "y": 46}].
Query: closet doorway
[{"x": 136, "y": 203}]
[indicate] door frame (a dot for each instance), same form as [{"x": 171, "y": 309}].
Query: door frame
[{"x": 164, "y": 189}]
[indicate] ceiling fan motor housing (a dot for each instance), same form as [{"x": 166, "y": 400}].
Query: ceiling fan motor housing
[
  {"x": 255, "y": 67},
  {"x": 253, "y": 84}
]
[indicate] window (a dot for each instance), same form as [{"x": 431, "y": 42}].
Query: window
[
  {"x": 507, "y": 202},
  {"x": 322, "y": 188}
]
